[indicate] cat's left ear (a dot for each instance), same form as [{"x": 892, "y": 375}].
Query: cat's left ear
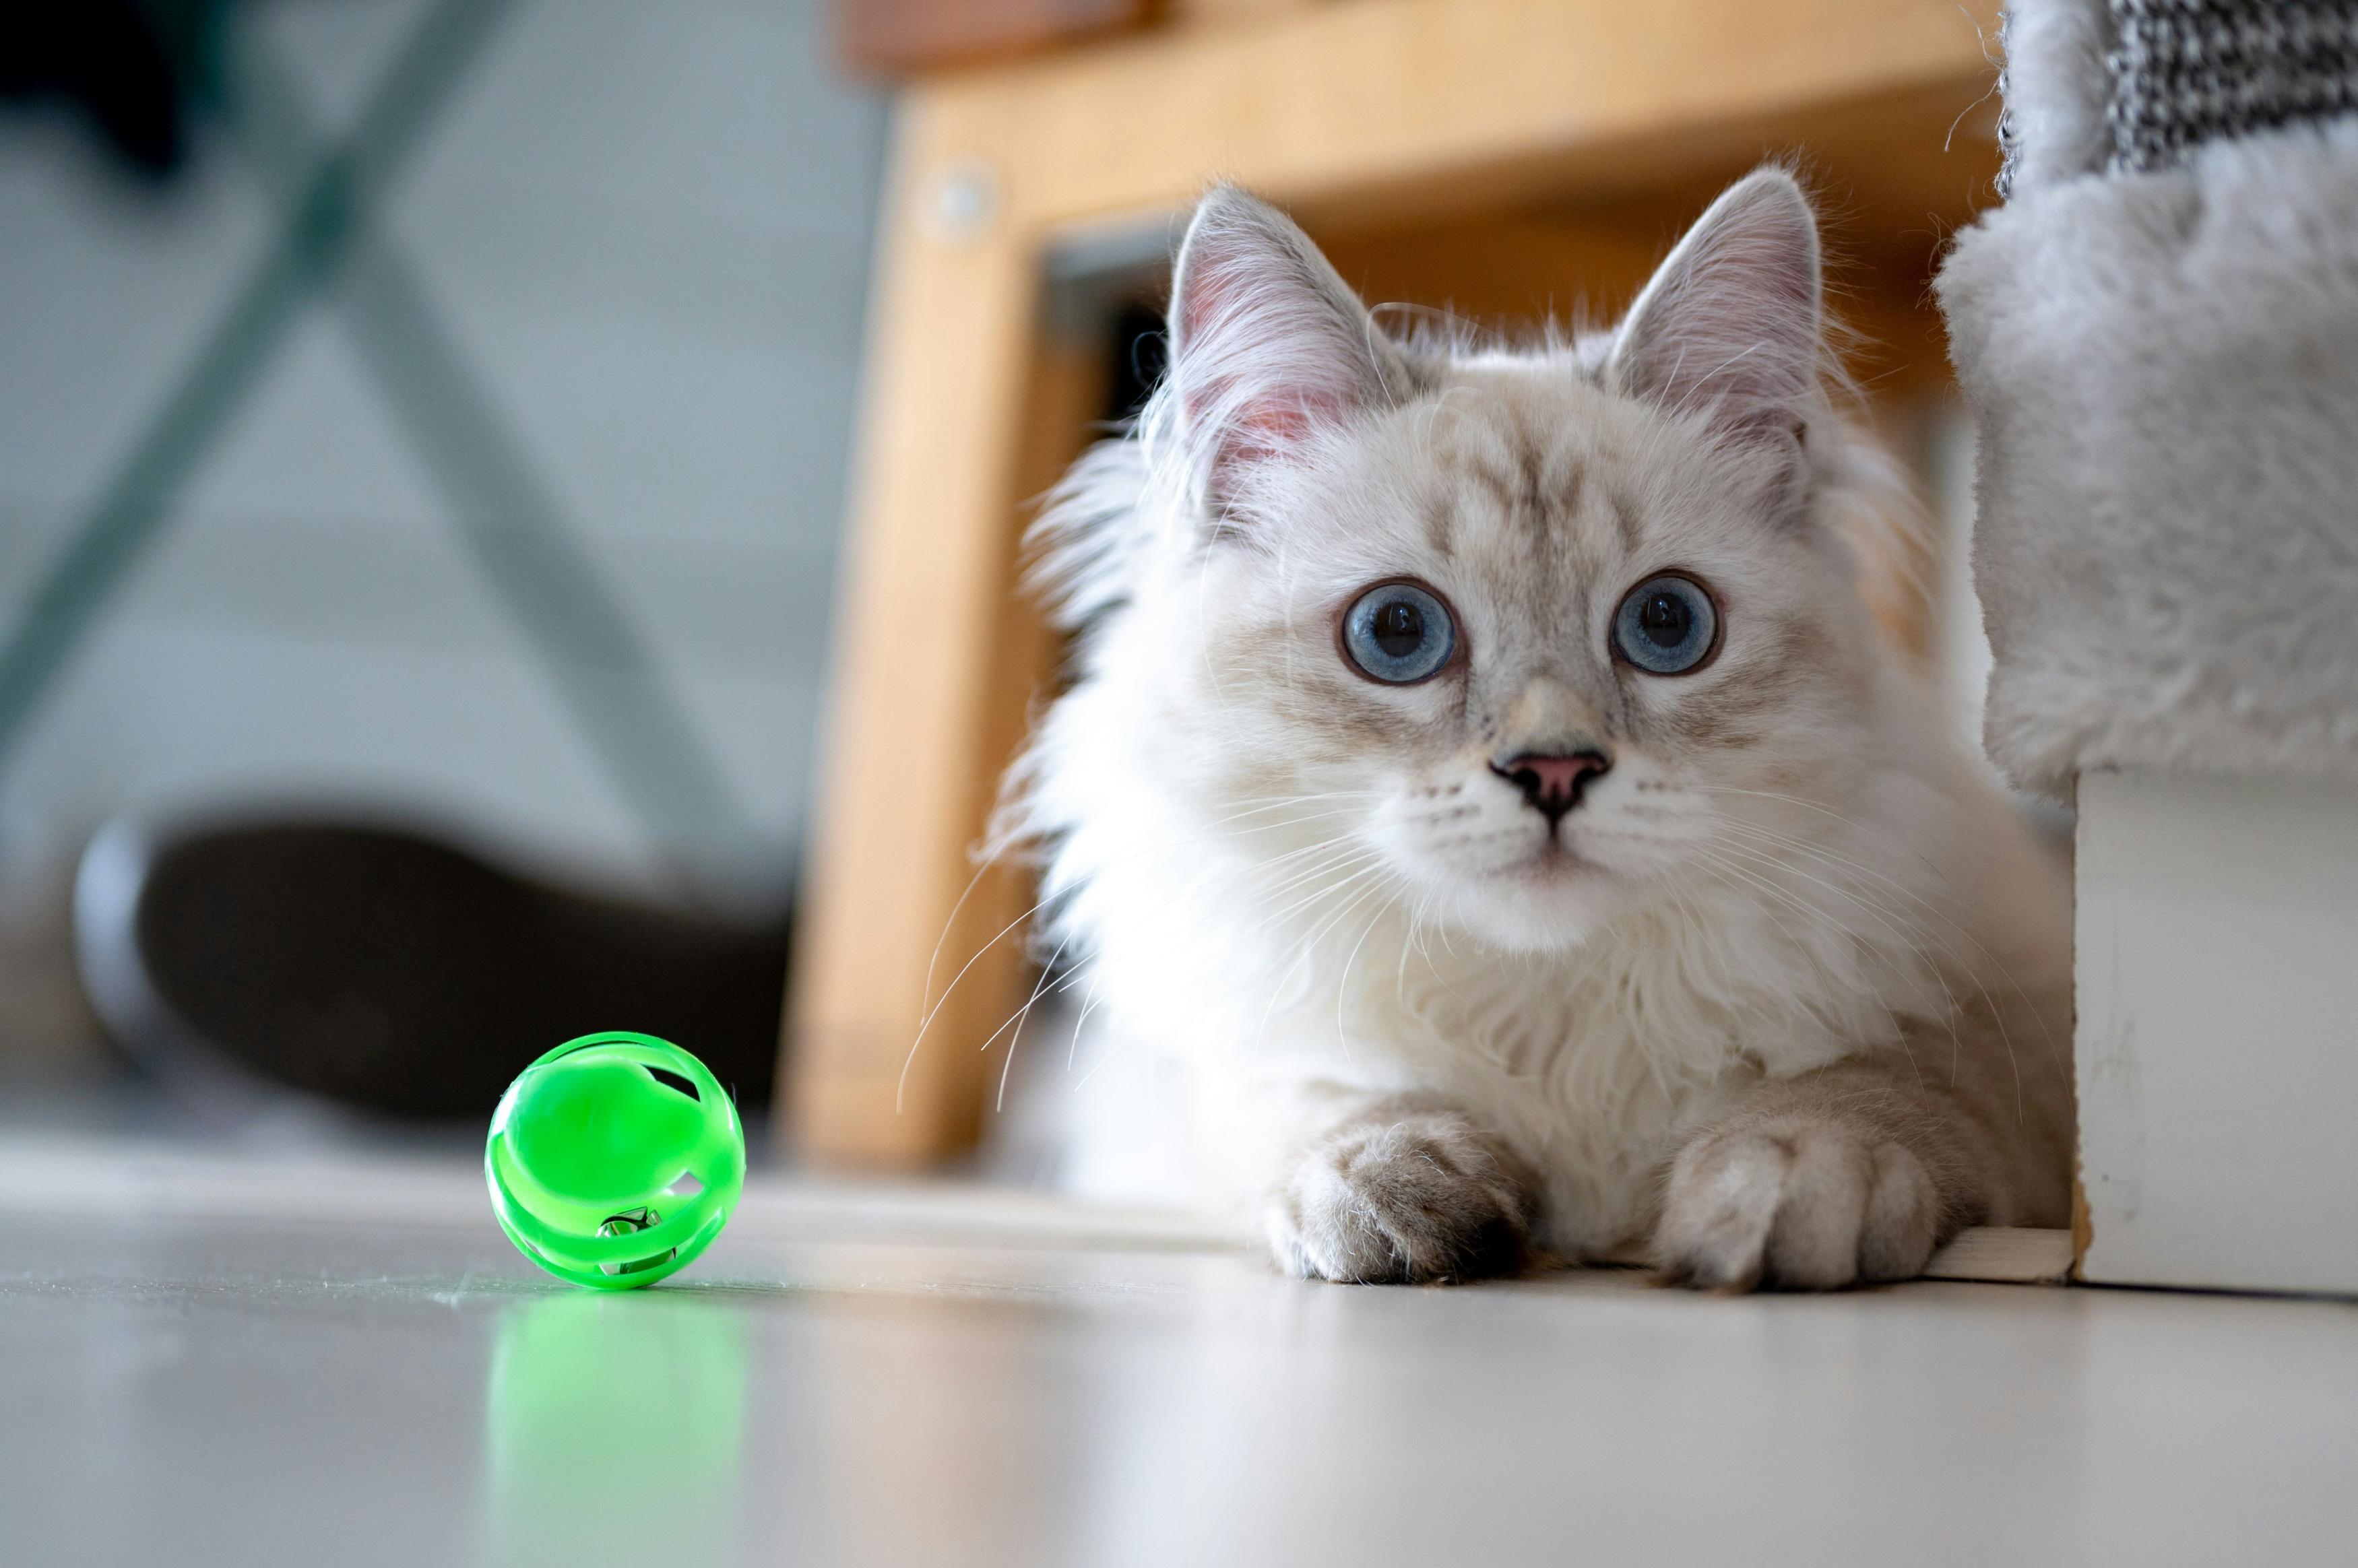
[{"x": 1732, "y": 325}]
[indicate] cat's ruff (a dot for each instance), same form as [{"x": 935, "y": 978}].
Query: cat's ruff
[{"x": 1791, "y": 932}]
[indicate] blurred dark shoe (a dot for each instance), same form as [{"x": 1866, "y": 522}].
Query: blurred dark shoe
[{"x": 391, "y": 971}]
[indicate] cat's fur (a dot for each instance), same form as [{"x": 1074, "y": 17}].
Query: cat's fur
[{"x": 1787, "y": 994}]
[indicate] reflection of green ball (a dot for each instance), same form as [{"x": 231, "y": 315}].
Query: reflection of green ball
[{"x": 614, "y": 1160}]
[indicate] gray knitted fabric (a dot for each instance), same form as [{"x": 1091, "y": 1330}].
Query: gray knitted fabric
[{"x": 2189, "y": 71}]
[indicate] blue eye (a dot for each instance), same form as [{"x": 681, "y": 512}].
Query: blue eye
[
  {"x": 1667, "y": 626},
  {"x": 1397, "y": 633}
]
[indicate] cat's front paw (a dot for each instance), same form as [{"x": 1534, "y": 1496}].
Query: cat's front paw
[
  {"x": 1810, "y": 1205},
  {"x": 1402, "y": 1196}
]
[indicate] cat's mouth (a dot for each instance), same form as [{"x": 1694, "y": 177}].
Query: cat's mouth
[{"x": 1554, "y": 860}]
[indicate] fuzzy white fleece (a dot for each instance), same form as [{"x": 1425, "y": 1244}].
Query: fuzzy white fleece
[{"x": 2164, "y": 370}]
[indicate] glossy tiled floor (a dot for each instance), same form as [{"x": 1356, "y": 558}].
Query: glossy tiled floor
[{"x": 205, "y": 1361}]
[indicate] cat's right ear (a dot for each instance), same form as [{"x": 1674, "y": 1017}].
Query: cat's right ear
[
  {"x": 1269, "y": 346},
  {"x": 1732, "y": 326}
]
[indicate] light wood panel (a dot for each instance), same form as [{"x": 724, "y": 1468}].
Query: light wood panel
[
  {"x": 898, "y": 37},
  {"x": 1381, "y": 107},
  {"x": 1378, "y": 121},
  {"x": 905, "y": 932}
]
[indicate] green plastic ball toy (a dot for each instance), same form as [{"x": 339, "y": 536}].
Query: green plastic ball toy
[{"x": 614, "y": 1160}]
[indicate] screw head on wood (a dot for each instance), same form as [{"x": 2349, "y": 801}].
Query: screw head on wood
[{"x": 962, "y": 201}]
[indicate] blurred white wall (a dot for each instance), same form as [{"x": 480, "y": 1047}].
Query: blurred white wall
[{"x": 647, "y": 227}]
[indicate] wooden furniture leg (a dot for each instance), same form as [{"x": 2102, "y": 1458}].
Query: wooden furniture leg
[{"x": 970, "y": 410}]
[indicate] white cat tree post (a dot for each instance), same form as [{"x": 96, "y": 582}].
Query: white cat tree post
[{"x": 2158, "y": 336}]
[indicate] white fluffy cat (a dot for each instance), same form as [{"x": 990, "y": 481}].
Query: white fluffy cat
[{"x": 1485, "y": 775}]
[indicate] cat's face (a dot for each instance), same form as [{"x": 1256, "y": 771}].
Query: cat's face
[
  {"x": 1513, "y": 550},
  {"x": 1531, "y": 637}
]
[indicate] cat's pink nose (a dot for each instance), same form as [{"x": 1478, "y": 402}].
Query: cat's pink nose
[{"x": 1552, "y": 785}]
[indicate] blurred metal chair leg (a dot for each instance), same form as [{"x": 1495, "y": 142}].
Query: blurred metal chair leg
[{"x": 329, "y": 248}]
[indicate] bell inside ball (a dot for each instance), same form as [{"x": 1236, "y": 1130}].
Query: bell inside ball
[{"x": 614, "y": 1160}]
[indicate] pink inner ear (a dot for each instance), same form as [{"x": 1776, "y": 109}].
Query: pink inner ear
[
  {"x": 1259, "y": 427},
  {"x": 1258, "y": 419}
]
